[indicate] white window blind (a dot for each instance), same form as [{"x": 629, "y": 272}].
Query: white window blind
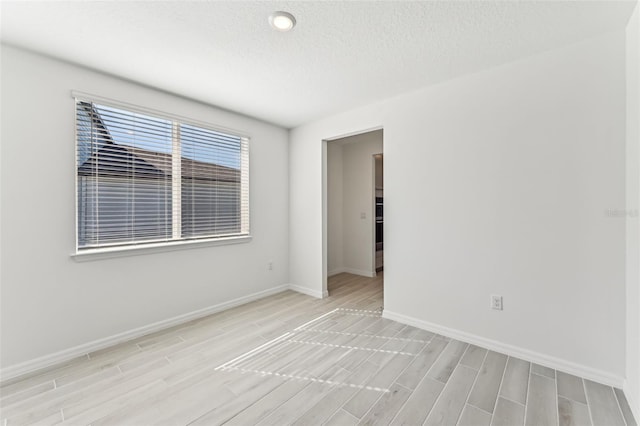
[{"x": 146, "y": 179}]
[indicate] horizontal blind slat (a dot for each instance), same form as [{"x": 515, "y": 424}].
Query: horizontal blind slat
[{"x": 127, "y": 194}]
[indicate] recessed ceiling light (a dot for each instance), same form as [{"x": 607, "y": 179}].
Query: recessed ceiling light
[{"x": 282, "y": 21}]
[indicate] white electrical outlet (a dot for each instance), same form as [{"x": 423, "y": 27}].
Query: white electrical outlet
[
  {"x": 270, "y": 265},
  {"x": 496, "y": 302}
]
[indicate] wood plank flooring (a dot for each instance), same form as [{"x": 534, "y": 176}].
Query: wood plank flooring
[{"x": 292, "y": 359}]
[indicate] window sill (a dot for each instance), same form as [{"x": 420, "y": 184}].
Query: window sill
[{"x": 111, "y": 252}]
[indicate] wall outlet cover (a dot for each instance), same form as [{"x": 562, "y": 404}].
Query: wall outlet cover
[{"x": 496, "y": 302}]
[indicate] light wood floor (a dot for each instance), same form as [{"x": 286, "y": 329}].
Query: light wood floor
[{"x": 292, "y": 359}]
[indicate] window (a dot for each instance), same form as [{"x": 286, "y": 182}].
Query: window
[{"x": 144, "y": 179}]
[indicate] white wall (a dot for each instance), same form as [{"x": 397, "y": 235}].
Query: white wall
[
  {"x": 359, "y": 174},
  {"x": 351, "y": 175},
  {"x": 335, "y": 250},
  {"x": 632, "y": 388},
  {"x": 52, "y": 303},
  {"x": 307, "y": 267},
  {"x": 497, "y": 183}
]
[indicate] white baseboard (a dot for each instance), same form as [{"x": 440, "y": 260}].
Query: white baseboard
[
  {"x": 633, "y": 400},
  {"x": 309, "y": 292},
  {"x": 46, "y": 361},
  {"x": 336, "y": 272},
  {"x": 361, "y": 272},
  {"x": 515, "y": 351}
]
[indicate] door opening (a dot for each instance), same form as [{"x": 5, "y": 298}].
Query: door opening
[{"x": 353, "y": 212}]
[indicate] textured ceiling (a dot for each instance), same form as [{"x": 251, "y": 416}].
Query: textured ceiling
[{"x": 340, "y": 55}]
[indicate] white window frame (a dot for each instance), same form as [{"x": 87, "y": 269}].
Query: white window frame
[{"x": 177, "y": 242}]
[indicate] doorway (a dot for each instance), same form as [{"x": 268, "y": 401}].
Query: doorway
[
  {"x": 353, "y": 208},
  {"x": 378, "y": 180}
]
